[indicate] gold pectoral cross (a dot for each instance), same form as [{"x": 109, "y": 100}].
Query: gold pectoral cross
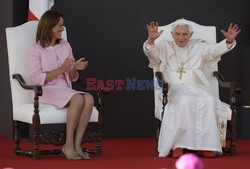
[{"x": 181, "y": 71}]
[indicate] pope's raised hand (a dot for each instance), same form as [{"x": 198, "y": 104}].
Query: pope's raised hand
[
  {"x": 81, "y": 64},
  {"x": 153, "y": 33},
  {"x": 231, "y": 33}
]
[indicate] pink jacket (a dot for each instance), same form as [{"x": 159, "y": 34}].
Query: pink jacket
[{"x": 42, "y": 60}]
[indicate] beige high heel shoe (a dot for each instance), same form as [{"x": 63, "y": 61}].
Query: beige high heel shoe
[
  {"x": 71, "y": 156},
  {"x": 84, "y": 155}
]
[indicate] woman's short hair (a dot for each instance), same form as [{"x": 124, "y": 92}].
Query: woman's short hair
[{"x": 44, "y": 32}]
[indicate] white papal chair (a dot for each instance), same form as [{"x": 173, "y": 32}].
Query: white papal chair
[
  {"x": 208, "y": 34},
  {"x": 30, "y": 111}
]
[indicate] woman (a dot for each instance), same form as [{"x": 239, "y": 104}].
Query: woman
[{"x": 52, "y": 65}]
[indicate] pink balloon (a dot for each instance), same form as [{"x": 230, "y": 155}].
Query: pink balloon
[{"x": 189, "y": 161}]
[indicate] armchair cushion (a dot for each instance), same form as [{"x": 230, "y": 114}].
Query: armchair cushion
[{"x": 49, "y": 114}]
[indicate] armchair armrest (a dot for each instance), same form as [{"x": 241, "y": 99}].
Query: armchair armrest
[
  {"x": 37, "y": 88},
  {"x": 234, "y": 90},
  {"x": 161, "y": 81},
  {"x": 164, "y": 85},
  {"x": 158, "y": 75},
  {"x": 231, "y": 85},
  {"x": 38, "y": 92}
]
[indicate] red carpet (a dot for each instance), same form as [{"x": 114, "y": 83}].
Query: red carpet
[{"x": 118, "y": 154}]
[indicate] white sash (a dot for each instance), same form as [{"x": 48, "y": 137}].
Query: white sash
[{"x": 189, "y": 77}]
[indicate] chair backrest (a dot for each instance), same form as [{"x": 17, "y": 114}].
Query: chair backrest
[
  {"x": 207, "y": 33},
  {"x": 18, "y": 40}
]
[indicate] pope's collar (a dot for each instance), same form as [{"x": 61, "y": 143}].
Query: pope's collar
[{"x": 181, "y": 48}]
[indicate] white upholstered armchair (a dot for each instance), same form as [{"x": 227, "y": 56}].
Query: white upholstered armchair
[{"x": 30, "y": 111}]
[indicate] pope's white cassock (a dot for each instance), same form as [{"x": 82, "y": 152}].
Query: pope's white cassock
[{"x": 190, "y": 117}]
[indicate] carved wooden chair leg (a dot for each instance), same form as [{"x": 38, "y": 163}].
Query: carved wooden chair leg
[
  {"x": 36, "y": 128},
  {"x": 99, "y": 142},
  {"x": 158, "y": 126},
  {"x": 233, "y": 133},
  {"x": 99, "y": 126},
  {"x": 36, "y": 153},
  {"x": 233, "y": 122},
  {"x": 17, "y": 148}
]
